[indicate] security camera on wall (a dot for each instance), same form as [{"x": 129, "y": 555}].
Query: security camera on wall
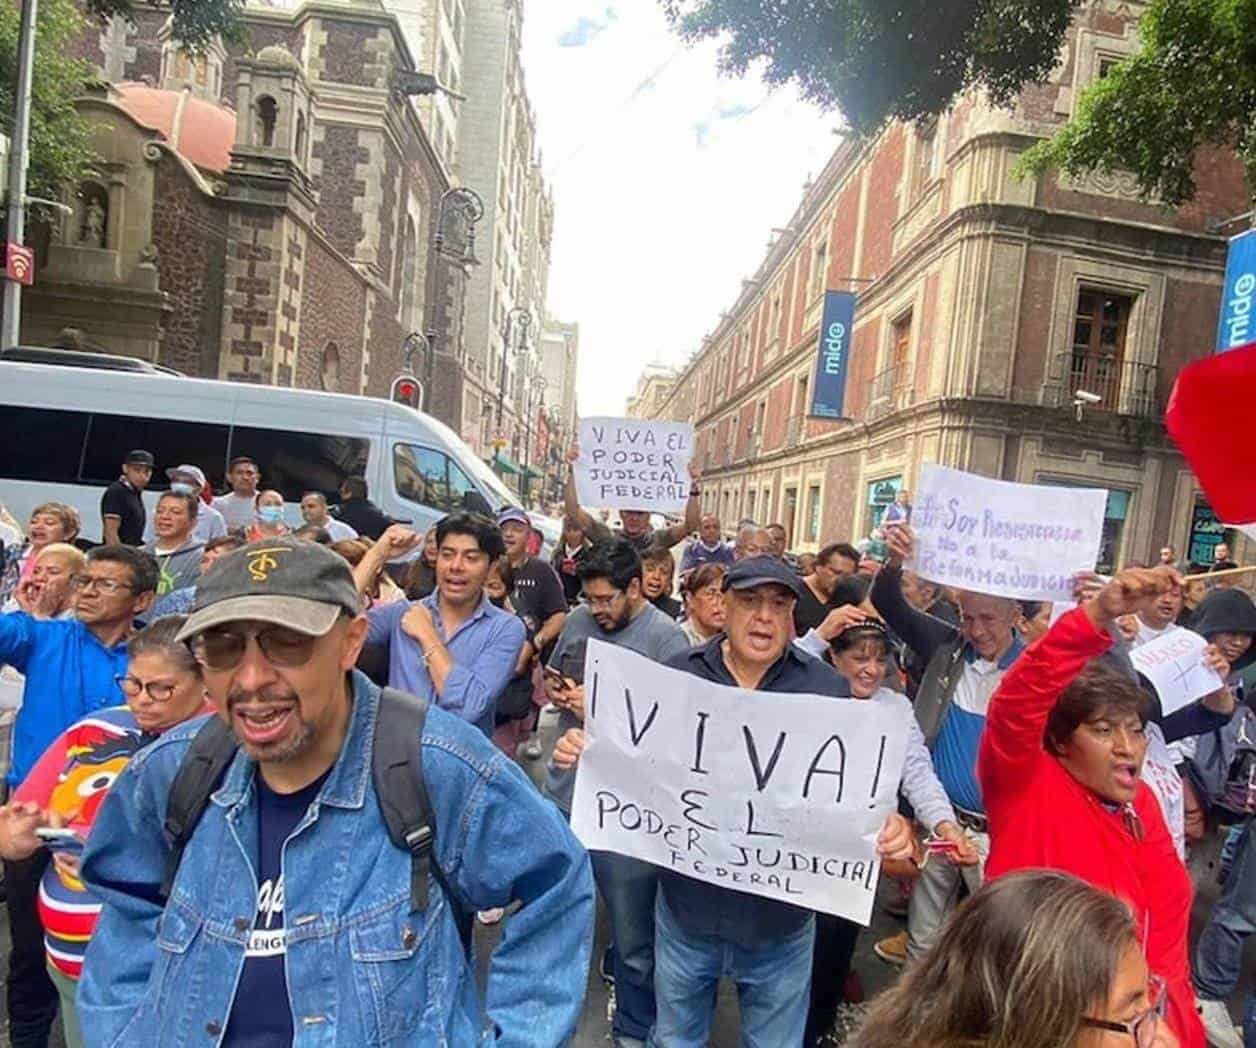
[{"x": 1082, "y": 397}]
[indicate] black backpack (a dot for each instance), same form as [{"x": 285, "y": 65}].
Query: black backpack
[{"x": 396, "y": 767}]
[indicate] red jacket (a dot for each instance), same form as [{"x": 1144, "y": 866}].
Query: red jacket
[{"x": 1040, "y": 816}]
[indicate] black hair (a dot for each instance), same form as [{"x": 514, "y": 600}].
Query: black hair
[
  {"x": 354, "y": 487},
  {"x": 240, "y": 460},
  {"x": 658, "y": 555},
  {"x": 478, "y": 526},
  {"x": 506, "y": 572},
  {"x": 1030, "y": 608},
  {"x": 838, "y": 549},
  {"x": 320, "y": 536},
  {"x": 228, "y": 542},
  {"x": 159, "y": 636},
  {"x": 190, "y": 502},
  {"x": 853, "y": 635},
  {"x": 616, "y": 561},
  {"x": 144, "y": 575}
]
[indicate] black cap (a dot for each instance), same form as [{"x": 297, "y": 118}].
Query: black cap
[
  {"x": 140, "y": 457},
  {"x": 301, "y": 585},
  {"x": 762, "y": 570}
]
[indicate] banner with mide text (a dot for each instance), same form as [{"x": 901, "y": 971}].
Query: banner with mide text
[
  {"x": 1010, "y": 540},
  {"x": 776, "y": 795},
  {"x": 628, "y": 463}
]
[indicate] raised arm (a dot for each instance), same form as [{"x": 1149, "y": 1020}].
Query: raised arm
[
  {"x": 693, "y": 512},
  {"x": 919, "y": 630},
  {"x": 1011, "y": 743},
  {"x": 571, "y": 501},
  {"x": 396, "y": 541}
]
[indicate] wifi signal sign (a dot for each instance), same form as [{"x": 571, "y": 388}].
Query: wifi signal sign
[{"x": 19, "y": 264}]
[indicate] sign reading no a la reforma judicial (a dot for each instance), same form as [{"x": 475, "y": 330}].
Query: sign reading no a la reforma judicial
[
  {"x": 1237, "y": 326},
  {"x": 828, "y": 395}
]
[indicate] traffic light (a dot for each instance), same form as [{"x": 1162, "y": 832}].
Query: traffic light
[{"x": 408, "y": 390}]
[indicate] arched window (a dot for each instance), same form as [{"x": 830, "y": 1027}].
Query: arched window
[{"x": 267, "y": 115}]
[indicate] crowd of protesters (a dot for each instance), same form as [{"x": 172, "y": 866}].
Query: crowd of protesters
[{"x": 1051, "y": 818}]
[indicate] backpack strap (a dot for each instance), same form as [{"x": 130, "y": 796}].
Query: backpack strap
[
  {"x": 199, "y": 775},
  {"x": 397, "y": 768}
]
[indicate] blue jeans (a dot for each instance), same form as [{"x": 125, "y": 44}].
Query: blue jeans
[
  {"x": 773, "y": 986},
  {"x": 1219, "y": 954},
  {"x": 628, "y": 888}
]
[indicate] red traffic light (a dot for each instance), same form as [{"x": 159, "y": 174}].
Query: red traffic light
[{"x": 408, "y": 390}]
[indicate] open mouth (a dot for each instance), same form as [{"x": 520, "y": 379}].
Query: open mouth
[
  {"x": 1126, "y": 776},
  {"x": 260, "y": 725}
]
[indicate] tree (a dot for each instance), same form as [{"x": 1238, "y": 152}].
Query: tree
[
  {"x": 876, "y": 60},
  {"x": 196, "y": 22},
  {"x": 1191, "y": 86}
]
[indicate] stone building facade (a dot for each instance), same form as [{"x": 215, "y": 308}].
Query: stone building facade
[
  {"x": 263, "y": 213},
  {"x": 1023, "y": 329}
]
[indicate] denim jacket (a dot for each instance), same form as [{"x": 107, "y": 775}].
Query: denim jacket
[{"x": 361, "y": 968}]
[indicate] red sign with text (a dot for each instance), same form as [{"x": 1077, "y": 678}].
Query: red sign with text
[{"x": 19, "y": 264}]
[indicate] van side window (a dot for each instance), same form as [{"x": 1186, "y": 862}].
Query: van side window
[
  {"x": 430, "y": 477},
  {"x": 295, "y": 463},
  {"x": 171, "y": 441},
  {"x": 45, "y": 445}
]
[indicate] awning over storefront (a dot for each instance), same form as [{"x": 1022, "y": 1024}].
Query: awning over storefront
[{"x": 503, "y": 463}]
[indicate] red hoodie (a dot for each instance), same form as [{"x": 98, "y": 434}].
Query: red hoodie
[{"x": 1040, "y": 816}]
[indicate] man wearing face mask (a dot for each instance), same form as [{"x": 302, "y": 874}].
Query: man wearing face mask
[{"x": 190, "y": 480}]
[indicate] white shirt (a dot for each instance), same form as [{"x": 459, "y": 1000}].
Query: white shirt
[
  {"x": 337, "y": 529},
  {"x": 239, "y": 511}
]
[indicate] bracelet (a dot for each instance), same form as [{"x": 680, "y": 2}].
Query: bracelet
[{"x": 428, "y": 653}]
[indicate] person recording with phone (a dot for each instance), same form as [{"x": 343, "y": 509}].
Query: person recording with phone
[{"x": 56, "y": 804}]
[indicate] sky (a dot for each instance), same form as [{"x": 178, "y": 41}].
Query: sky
[{"x": 667, "y": 180}]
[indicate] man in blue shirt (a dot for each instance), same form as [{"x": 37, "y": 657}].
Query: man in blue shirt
[
  {"x": 71, "y": 668},
  {"x": 963, "y": 667},
  {"x": 452, "y": 648}
]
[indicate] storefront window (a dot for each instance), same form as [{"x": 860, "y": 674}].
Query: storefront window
[{"x": 1207, "y": 532}]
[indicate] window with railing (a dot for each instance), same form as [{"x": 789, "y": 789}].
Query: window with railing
[
  {"x": 813, "y": 513},
  {"x": 1100, "y": 327},
  {"x": 891, "y": 386}
]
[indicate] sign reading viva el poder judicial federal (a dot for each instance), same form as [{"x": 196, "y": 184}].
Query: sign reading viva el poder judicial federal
[
  {"x": 628, "y": 463},
  {"x": 775, "y": 795},
  {"x": 828, "y": 390}
]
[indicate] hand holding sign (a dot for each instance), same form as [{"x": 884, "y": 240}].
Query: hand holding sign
[
  {"x": 1176, "y": 665},
  {"x": 1011, "y": 540}
]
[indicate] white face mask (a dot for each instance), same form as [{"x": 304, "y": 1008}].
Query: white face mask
[{"x": 183, "y": 488}]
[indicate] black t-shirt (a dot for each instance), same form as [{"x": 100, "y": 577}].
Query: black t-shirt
[
  {"x": 537, "y": 594},
  {"x": 123, "y": 501},
  {"x": 260, "y": 1014},
  {"x": 669, "y": 606},
  {"x": 808, "y": 611}
]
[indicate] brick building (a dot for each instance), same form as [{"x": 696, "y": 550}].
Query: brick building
[
  {"x": 987, "y": 304},
  {"x": 263, "y": 213}
]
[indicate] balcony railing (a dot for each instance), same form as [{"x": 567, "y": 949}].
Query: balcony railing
[
  {"x": 891, "y": 391},
  {"x": 1123, "y": 387}
]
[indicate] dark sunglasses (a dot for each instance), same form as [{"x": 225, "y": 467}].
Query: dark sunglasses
[{"x": 223, "y": 649}]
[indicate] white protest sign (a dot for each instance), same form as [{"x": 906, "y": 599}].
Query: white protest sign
[
  {"x": 1011, "y": 540},
  {"x": 771, "y": 794},
  {"x": 1174, "y": 663},
  {"x": 628, "y": 463}
]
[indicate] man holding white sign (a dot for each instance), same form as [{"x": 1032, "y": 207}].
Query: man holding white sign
[
  {"x": 658, "y": 476},
  {"x": 766, "y": 838}
]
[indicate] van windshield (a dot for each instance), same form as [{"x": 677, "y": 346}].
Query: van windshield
[{"x": 481, "y": 472}]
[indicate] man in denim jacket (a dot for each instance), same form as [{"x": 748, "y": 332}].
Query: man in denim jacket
[{"x": 290, "y": 918}]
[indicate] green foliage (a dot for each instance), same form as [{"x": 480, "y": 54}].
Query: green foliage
[
  {"x": 196, "y": 22},
  {"x": 1192, "y": 85},
  {"x": 876, "y": 60},
  {"x": 60, "y": 140}
]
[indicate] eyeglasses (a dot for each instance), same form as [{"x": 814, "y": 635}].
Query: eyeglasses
[
  {"x": 106, "y": 586},
  {"x": 1143, "y": 1028},
  {"x": 603, "y": 602},
  {"x": 132, "y": 687},
  {"x": 220, "y": 650}
]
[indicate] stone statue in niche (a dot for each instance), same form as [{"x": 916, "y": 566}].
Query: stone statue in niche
[{"x": 92, "y": 229}]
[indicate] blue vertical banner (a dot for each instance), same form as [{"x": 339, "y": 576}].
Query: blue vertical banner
[
  {"x": 1237, "y": 326},
  {"x": 828, "y": 391}
]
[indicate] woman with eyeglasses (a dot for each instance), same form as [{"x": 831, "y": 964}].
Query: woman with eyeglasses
[
  {"x": 1036, "y": 959},
  {"x": 67, "y": 785},
  {"x": 704, "y": 603},
  {"x": 1060, "y": 768}
]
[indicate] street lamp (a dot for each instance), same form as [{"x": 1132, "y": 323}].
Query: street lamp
[
  {"x": 535, "y": 401},
  {"x": 518, "y": 315},
  {"x": 464, "y": 202}
]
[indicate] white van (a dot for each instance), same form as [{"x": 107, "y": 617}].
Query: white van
[{"x": 65, "y": 430}]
